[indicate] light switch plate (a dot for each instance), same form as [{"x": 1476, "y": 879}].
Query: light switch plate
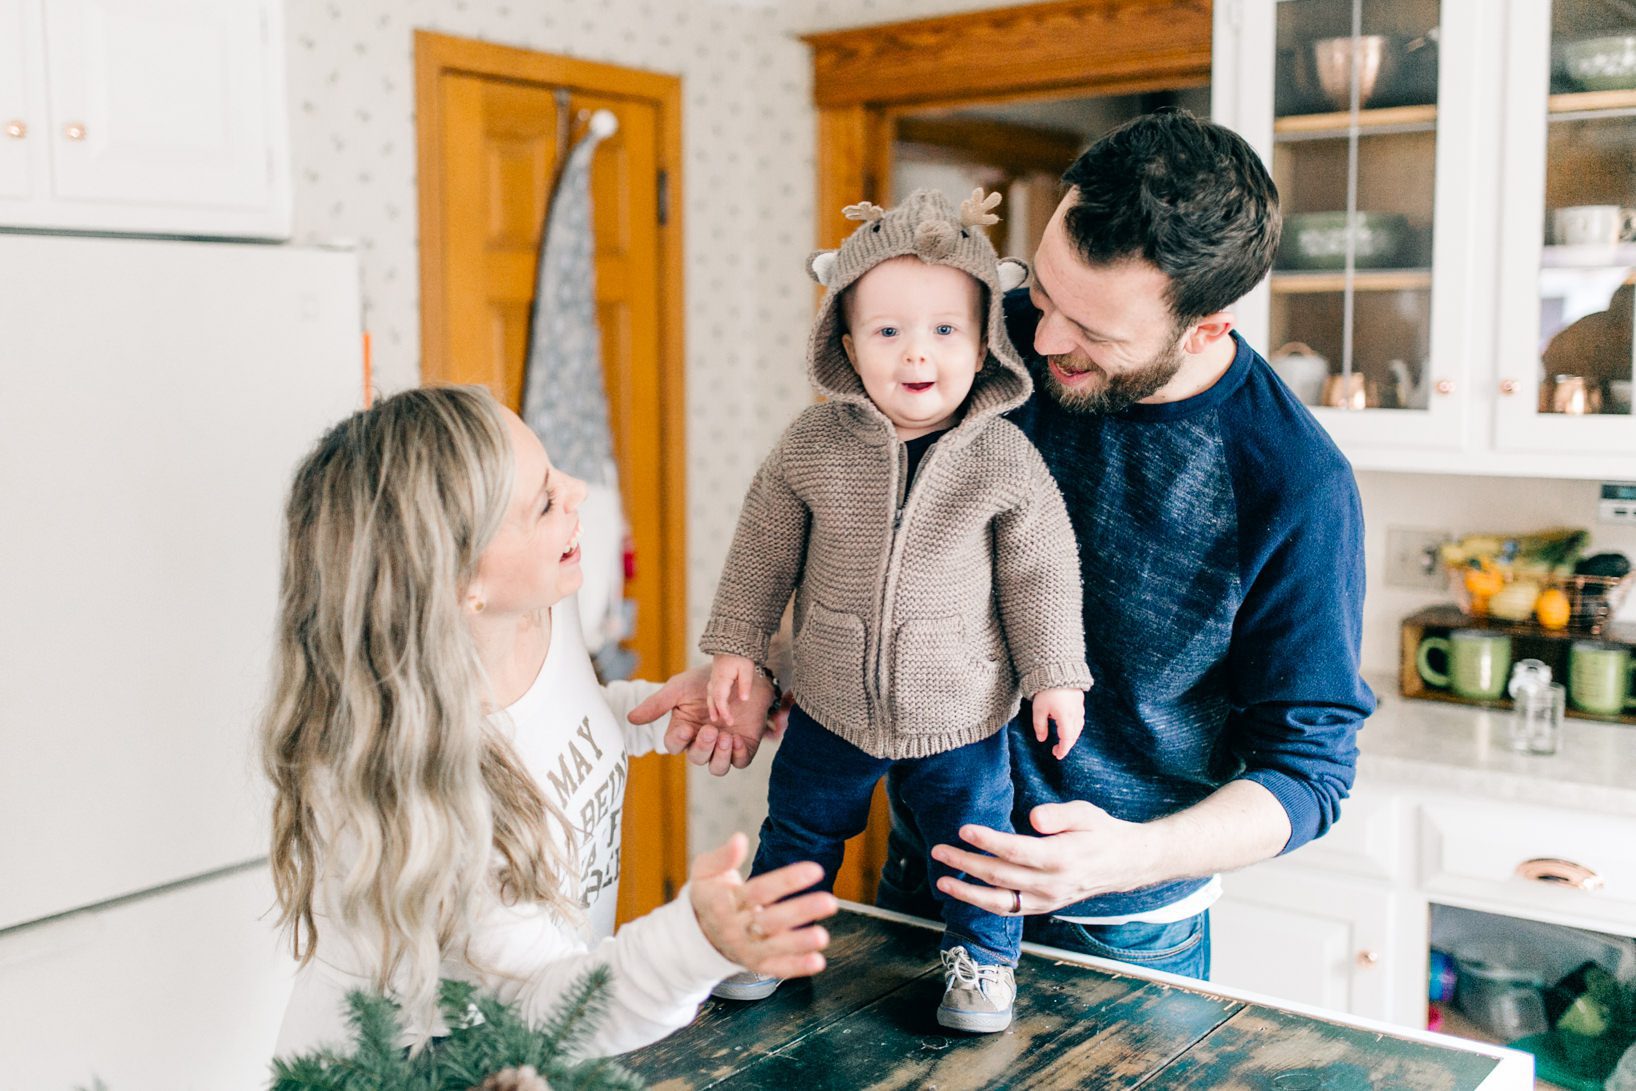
[{"x": 1411, "y": 558}]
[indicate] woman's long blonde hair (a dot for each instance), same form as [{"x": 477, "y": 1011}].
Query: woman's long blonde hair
[{"x": 376, "y": 735}]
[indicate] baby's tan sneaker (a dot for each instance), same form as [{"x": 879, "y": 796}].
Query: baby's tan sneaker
[{"x": 976, "y": 997}]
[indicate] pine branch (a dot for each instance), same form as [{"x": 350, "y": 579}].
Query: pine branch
[
  {"x": 486, "y": 1036},
  {"x": 587, "y": 1001}
]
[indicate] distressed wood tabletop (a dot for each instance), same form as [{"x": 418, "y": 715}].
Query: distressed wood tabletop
[{"x": 869, "y": 1021}]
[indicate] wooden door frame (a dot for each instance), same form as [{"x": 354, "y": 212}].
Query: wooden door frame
[
  {"x": 437, "y": 55},
  {"x": 864, "y": 77}
]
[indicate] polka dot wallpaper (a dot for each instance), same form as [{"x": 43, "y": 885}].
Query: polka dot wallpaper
[{"x": 749, "y": 133}]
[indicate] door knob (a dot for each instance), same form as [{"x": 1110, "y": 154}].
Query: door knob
[
  {"x": 16, "y": 129},
  {"x": 1444, "y": 387},
  {"x": 1367, "y": 959},
  {"x": 1509, "y": 387},
  {"x": 74, "y": 130}
]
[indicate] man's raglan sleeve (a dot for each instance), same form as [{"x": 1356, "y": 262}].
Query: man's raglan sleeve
[{"x": 1298, "y": 699}]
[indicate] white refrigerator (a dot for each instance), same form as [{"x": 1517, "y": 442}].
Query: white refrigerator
[{"x": 154, "y": 399}]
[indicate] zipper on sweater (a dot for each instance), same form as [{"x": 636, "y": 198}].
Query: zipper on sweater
[
  {"x": 905, "y": 496},
  {"x": 900, "y": 471}
]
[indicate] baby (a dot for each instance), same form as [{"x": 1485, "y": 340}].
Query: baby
[{"x": 935, "y": 573}]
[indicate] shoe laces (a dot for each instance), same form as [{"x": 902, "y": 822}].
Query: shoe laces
[{"x": 963, "y": 971}]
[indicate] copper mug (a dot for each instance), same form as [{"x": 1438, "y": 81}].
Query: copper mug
[{"x": 1352, "y": 391}]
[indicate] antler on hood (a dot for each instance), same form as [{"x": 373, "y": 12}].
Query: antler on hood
[{"x": 975, "y": 211}]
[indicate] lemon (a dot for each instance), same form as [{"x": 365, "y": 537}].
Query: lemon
[{"x": 1551, "y": 608}]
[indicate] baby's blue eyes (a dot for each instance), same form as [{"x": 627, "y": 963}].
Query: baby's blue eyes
[{"x": 892, "y": 331}]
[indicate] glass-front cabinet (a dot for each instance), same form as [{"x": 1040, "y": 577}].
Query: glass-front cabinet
[
  {"x": 1568, "y": 259},
  {"x": 1458, "y": 180}
]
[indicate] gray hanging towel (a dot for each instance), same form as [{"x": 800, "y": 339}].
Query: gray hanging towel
[
  {"x": 564, "y": 400},
  {"x": 566, "y": 404}
]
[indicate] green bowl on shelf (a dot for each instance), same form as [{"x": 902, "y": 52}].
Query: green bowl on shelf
[
  {"x": 1604, "y": 63},
  {"x": 1318, "y": 240}
]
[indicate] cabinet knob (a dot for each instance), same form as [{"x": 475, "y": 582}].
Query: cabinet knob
[
  {"x": 1549, "y": 869},
  {"x": 74, "y": 130},
  {"x": 16, "y": 129},
  {"x": 1367, "y": 959},
  {"x": 1509, "y": 387},
  {"x": 1444, "y": 387}
]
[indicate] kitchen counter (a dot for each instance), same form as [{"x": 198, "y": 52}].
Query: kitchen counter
[{"x": 1456, "y": 748}]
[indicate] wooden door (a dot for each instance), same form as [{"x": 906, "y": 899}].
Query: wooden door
[
  {"x": 493, "y": 129},
  {"x": 865, "y": 77}
]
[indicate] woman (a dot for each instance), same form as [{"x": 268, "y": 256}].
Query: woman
[{"x": 448, "y": 773}]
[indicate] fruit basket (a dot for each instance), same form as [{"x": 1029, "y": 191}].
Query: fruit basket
[{"x": 1538, "y": 578}]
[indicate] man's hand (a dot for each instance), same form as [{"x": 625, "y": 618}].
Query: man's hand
[
  {"x": 685, "y": 698},
  {"x": 1083, "y": 851}
]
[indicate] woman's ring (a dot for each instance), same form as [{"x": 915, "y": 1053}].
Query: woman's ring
[
  {"x": 1016, "y": 903},
  {"x": 754, "y": 927}
]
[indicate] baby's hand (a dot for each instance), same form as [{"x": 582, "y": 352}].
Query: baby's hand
[
  {"x": 730, "y": 678},
  {"x": 1067, "y": 708}
]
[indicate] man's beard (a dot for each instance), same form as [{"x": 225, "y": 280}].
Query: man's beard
[{"x": 1116, "y": 392}]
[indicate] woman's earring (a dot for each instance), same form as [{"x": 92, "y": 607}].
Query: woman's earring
[{"x": 477, "y": 606}]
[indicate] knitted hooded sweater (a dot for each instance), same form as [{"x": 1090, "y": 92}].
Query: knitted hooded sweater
[{"x": 922, "y": 615}]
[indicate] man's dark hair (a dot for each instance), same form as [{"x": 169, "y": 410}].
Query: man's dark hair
[{"x": 1187, "y": 195}]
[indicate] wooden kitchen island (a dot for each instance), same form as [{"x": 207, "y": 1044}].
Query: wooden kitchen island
[{"x": 869, "y": 1021}]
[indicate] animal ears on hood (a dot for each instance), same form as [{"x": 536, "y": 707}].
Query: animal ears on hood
[
  {"x": 1013, "y": 273},
  {"x": 821, "y": 267}
]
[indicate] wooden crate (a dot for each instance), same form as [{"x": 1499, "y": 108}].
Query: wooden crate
[{"x": 1528, "y": 641}]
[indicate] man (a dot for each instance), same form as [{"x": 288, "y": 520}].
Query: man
[{"x": 1221, "y": 546}]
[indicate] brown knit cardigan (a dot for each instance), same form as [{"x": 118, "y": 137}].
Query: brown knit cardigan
[{"x": 922, "y": 619}]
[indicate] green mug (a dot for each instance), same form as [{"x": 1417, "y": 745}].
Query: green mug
[
  {"x": 1476, "y": 663},
  {"x": 1599, "y": 678}
]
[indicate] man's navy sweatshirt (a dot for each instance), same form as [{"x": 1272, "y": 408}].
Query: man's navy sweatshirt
[{"x": 1221, "y": 543}]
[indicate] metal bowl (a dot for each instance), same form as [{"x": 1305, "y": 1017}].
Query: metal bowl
[
  {"x": 1318, "y": 240},
  {"x": 1333, "y": 60},
  {"x": 1606, "y": 63}
]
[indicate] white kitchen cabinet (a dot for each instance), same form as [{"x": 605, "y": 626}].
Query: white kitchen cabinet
[
  {"x": 182, "y": 990},
  {"x": 1306, "y": 928},
  {"x": 150, "y": 116},
  {"x": 22, "y": 154},
  {"x": 1296, "y": 934},
  {"x": 1438, "y": 308}
]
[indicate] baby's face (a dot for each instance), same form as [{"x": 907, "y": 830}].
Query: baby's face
[{"x": 916, "y": 341}]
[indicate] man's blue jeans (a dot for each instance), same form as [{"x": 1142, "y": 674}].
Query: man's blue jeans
[
  {"x": 1181, "y": 947},
  {"x": 819, "y": 795}
]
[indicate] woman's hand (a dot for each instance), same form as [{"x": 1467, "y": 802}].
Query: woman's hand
[
  {"x": 685, "y": 698},
  {"x": 748, "y": 923},
  {"x": 730, "y": 678},
  {"x": 1067, "y": 708}
]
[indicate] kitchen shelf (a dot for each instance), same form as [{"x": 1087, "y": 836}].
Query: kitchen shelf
[
  {"x": 1583, "y": 105},
  {"x": 1363, "y": 280},
  {"x": 1529, "y": 641},
  {"x": 1381, "y": 122}
]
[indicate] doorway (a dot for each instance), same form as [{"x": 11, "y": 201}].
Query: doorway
[
  {"x": 1003, "y": 99},
  {"x": 493, "y": 125}
]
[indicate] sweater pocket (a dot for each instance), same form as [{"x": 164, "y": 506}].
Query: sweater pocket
[
  {"x": 829, "y": 668},
  {"x": 946, "y": 676}
]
